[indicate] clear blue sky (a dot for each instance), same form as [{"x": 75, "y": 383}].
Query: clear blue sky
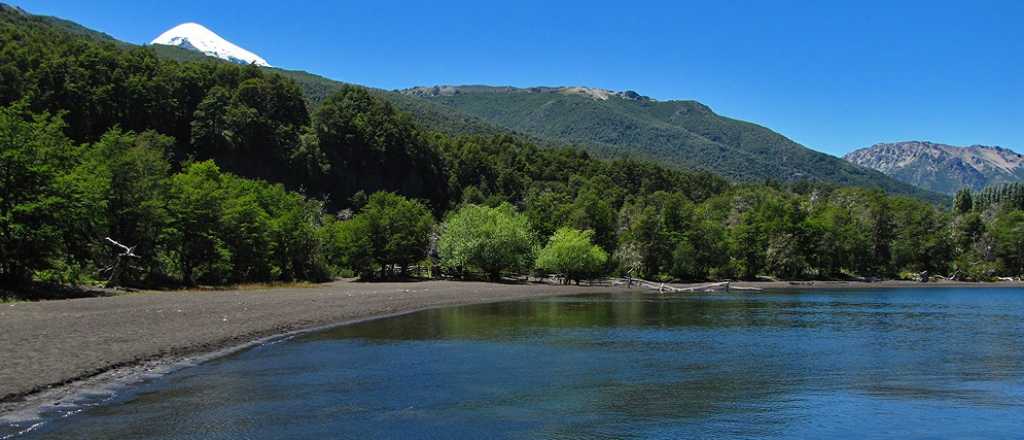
[{"x": 832, "y": 75}]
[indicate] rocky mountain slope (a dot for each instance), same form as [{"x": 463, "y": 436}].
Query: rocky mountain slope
[{"x": 942, "y": 168}]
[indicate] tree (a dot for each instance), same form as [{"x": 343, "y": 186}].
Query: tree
[
  {"x": 354, "y": 249},
  {"x": 1008, "y": 233},
  {"x": 921, "y": 241},
  {"x": 368, "y": 145},
  {"x": 685, "y": 261},
  {"x": 396, "y": 230},
  {"x": 490, "y": 239},
  {"x": 247, "y": 233},
  {"x": 881, "y": 221},
  {"x": 593, "y": 210},
  {"x": 34, "y": 154},
  {"x": 196, "y": 203},
  {"x": 963, "y": 203},
  {"x": 129, "y": 174},
  {"x": 571, "y": 253},
  {"x": 210, "y": 134},
  {"x": 297, "y": 247}
]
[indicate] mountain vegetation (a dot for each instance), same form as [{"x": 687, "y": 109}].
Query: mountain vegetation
[
  {"x": 943, "y": 168},
  {"x": 683, "y": 134},
  {"x": 124, "y": 167}
]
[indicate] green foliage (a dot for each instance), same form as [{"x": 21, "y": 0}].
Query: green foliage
[
  {"x": 571, "y": 253},
  {"x": 391, "y": 232},
  {"x": 684, "y": 134},
  {"x": 1008, "y": 196},
  {"x": 922, "y": 243},
  {"x": 963, "y": 202},
  {"x": 1008, "y": 236},
  {"x": 366, "y": 145},
  {"x": 489, "y": 239},
  {"x": 128, "y": 175},
  {"x": 34, "y": 199},
  {"x": 196, "y": 201}
]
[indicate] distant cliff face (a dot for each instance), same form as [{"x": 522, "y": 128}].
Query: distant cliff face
[{"x": 942, "y": 168}]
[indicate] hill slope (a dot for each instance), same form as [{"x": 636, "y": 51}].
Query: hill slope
[
  {"x": 942, "y": 168},
  {"x": 316, "y": 88},
  {"x": 677, "y": 133},
  {"x": 682, "y": 134}
]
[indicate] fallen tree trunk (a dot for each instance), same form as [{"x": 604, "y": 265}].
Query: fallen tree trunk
[{"x": 122, "y": 261}]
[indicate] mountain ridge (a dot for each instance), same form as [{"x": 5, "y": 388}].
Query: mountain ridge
[
  {"x": 680, "y": 133},
  {"x": 941, "y": 167}
]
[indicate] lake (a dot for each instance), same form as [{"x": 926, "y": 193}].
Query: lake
[{"x": 908, "y": 363}]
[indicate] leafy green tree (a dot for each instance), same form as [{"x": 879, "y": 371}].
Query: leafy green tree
[
  {"x": 369, "y": 146},
  {"x": 921, "y": 241},
  {"x": 196, "y": 203},
  {"x": 397, "y": 232},
  {"x": 490, "y": 239},
  {"x": 592, "y": 210},
  {"x": 1008, "y": 233},
  {"x": 547, "y": 207},
  {"x": 129, "y": 174},
  {"x": 247, "y": 233},
  {"x": 686, "y": 262},
  {"x": 34, "y": 154},
  {"x": 881, "y": 236},
  {"x": 571, "y": 253},
  {"x": 842, "y": 232},
  {"x": 297, "y": 247},
  {"x": 210, "y": 133},
  {"x": 353, "y": 245},
  {"x": 963, "y": 202}
]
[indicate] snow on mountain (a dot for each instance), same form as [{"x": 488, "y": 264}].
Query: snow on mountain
[{"x": 194, "y": 36}]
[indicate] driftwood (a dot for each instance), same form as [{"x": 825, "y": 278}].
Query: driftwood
[
  {"x": 663, "y": 287},
  {"x": 121, "y": 262}
]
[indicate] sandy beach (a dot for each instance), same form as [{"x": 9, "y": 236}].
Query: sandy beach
[
  {"x": 52, "y": 348},
  {"x": 48, "y": 345}
]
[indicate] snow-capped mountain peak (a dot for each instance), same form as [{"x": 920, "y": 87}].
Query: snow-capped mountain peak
[{"x": 194, "y": 36}]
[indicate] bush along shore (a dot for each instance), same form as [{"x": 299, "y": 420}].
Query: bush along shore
[{"x": 120, "y": 168}]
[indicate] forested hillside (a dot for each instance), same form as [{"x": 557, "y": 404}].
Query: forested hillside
[
  {"x": 214, "y": 173},
  {"x": 316, "y": 89},
  {"x": 675, "y": 133}
]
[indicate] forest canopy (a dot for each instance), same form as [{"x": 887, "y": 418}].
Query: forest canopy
[{"x": 214, "y": 173}]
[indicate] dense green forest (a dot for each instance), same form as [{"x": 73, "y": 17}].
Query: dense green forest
[
  {"x": 212, "y": 173},
  {"x": 675, "y": 133}
]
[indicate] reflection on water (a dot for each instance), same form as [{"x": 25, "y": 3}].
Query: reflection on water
[{"x": 877, "y": 364}]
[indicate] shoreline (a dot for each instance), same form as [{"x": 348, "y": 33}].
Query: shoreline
[{"x": 59, "y": 351}]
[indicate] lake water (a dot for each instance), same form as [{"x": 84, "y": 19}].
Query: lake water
[{"x": 935, "y": 363}]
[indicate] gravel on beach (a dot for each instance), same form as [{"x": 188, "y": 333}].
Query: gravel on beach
[{"x": 46, "y": 344}]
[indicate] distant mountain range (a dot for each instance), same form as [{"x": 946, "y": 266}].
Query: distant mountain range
[
  {"x": 942, "y": 168},
  {"x": 684, "y": 134}
]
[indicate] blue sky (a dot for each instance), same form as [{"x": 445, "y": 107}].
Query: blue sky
[{"x": 832, "y": 75}]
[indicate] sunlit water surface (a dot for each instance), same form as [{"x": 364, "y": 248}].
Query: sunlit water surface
[{"x": 936, "y": 363}]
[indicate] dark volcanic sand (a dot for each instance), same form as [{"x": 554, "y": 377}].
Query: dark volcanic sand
[{"x": 51, "y": 343}]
